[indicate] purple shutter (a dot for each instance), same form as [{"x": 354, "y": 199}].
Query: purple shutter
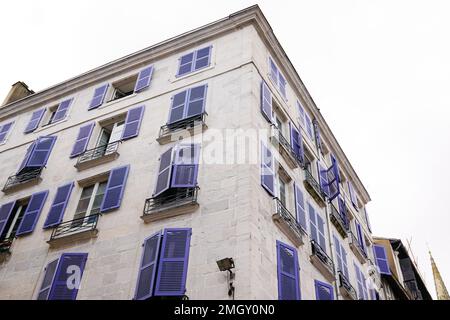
[
  {"x": 337, "y": 247},
  {"x": 266, "y": 102},
  {"x": 32, "y": 213},
  {"x": 381, "y": 259},
  {"x": 202, "y": 58},
  {"x": 273, "y": 71},
  {"x": 4, "y": 130},
  {"x": 49, "y": 275},
  {"x": 333, "y": 179},
  {"x": 185, "y": 167},
  {"x": 312, "y": 223},
  {"x": 352, "y": 195},
  {"x": 324, "y": 291},
  {"x": 5, "y": 213},
  {"x": 309, "y": 129},
  {"x": 148, "y": 266},
  {"x": 282, "y": 84},
  {"x": 41, "y": 151},
  {"x": 301, "y": 112},
  {"x": 317, "y": 134},
  {"x": 36, "y": 118},
  {"x": 186, "y": 64},
  {"x": 366, "y": 215},
  {"x": 115, "y": 188},
  {"x": 297, "y": 144},
  {"x": 61, "y": 112},
  {"x": 288, "y": 275},
  {"x": 27, "y": 156},
  {"x": 164, "y": 172},
  {"x": 323, "y": 179},
  {"x": 133, "y": 122},
  {"x": 321, "y": 232},
  {"x": 56, "y": 213},
  {"x": 300, "y": 207},
  {"x": 360, "y": 235},
  {"x": 267, "y": 170},
  {"x": 177, "y": 107},
  {"x": 343, "y": 210},
  {"x": 344, "y": 262},
  {"x": 99, "y": 96},
  {"x": 195, "y": 104},
  {"x": 144, "y": 78},
  {"x": 84, "y": 135},
  {"x": 68, "y": 276},
  {"x": 173, "y": 262}
]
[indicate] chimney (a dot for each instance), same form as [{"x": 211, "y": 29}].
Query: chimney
[{"x": 18, "y": 91}]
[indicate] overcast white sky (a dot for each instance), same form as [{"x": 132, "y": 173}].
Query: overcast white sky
[{"x": 378, "y": 70}]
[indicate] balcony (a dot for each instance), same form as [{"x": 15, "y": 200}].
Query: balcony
[
  {"x": 412, "y": 289},
  {"x": 322, "y": 261},
  {"x": 338, "y": 221},
  {"x": 284, "y": 148},
  {"x": 183, "y": 128},
  {"x": 75, "y": 230},
  {"x": 5, "y": 248},
  {"x": 98, "y": 155},
  {"x": 314, "y": 189},
  {"x": 346, "y": 288},
  {"x": 284, "y": 219},
  {"x": 22, "y": 180},
  {"x": 356, "y": 248},
  {"x": 170, "y": 204}
]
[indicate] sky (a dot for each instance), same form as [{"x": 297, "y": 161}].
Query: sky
[{"x": 379, "y": 72}]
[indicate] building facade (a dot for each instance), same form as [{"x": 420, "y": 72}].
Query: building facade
[{"x": 132, "y": 180}]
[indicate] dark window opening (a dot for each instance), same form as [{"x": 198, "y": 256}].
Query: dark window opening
[{"x": 123, "y": 88}]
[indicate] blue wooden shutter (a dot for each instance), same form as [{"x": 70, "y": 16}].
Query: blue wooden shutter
[
  {"x": 99, "y": 96},
  {"x": 317, "y": 134},
  {"x": 4, "y": 130},
  {"x": 133, "y": 122},
  {"x": 144, "y": 78},
  {"x": 115, "y": 188},
  {"x": 69, "y": 265},
  {"x": 40, "y": 152},
  {"x": 352, "y": 195},
  {"x": 164, "y": 172},
  {"x": 344, "y": 262},
  {"x": 36, "y": 118},
  {"x": 173, "y": 262},
  {"x": 147, "y": 268},
  {"x": 288, "y": 275},
  {"x": 300, "y": 207},
  {"x": 266, "y": 102},
  {"x": 195, "y": 104},
  {"x": 333, "y": 179},
  {"x": 323, "y": 179},
  {"x": 185, "y": 167},
  {"x": 337, "y": 249},
  {"x": 32, "y": 213},
  {"x": 177, "y": 107},
  {"x": 202, "y": 58},
  {"x": 267, "y": 170},
  {"x": 343, "y": 210},
  {"x": 360, "y": 235},
  {"x": 324, "y": 291},
  {"x": 309, "y": 128},
  {"x": 381, "y": 259},
  {"x": 56, "y": 213},
  {"x": 84, "y": 135},
  {"x": 49, "y": 275},
  {"x": 321, "y": 232},
  {"x": 301, "y": 112},
  {"x": 61, "y": 112},
  {"x": 297, "y": 143},
  {"x": 312, "y": 223},
  {"x": 27, "y": 156},
  {"x": 5, "y": 213},
  {"x": 366, "y": 215},
  {"x": 186, "y": 64}
]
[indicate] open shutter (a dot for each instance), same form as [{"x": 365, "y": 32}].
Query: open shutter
[
  {"x": 321, "y": 232},
  {"x": 288, "y": 275},
  {"x": 173, "y": 263},
  {"x": 324, "y": 291},
  {"x": 148, "y": 266},
  {"x": 59, "y": 205},
  {"x": 61, "y": 112},
  {"x": 99, "y": 96},
  {"x": 32, "y": 213},
  {"x": 196, "y": 101},
  {"x": 344, "y": 262},
  {"x": 333, "y": 179},
  {"x": 360, "y": 234},
  {"x": 46, "y": 285},
  {"x": 185, "y": 168},
  {"x": 68, "y": 276},
  {"x": 4, "y": 130},
  {"x": 366, "y": 215},
  {"x": 164, "y": 172},
  {"x": 266, "y": 102},
  {"x": 27, "y": 156},
  {"x": 301, "y": 112},
  {"x": 5, "y": 213},
  {"x": 133, "y": 122},
  {"x": 300, "y": 207},
  {"x": 317, "y": 134},
  {"x": 36, "y": 118},
  {"x": 352, "y": 195},
  {"x": 297, "y": 144},
  {"x": 144, "y": 78},
  {"x": 267, "y": 170},
  {"x": 309, "y": 128},
  {"x": 381, "y": 259},
  {"x": 312, "y": 223},
  {"x": 84, "y": 134},
  {"x": 40, "y": 152},
  {"x": 177, "y": 107},
  {"x": 343, "y": 210},
  {"x": 115, "y": 188},
  {"x": 323, "y": 179}
]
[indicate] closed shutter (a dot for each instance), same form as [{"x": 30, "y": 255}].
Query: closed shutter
[
  {"x": 266, "y": 102},
  {"x": 324, "y": 291},
  {"x": 185, "y": 167},
  {"x": 164, "y": 172},
  {"x": 288, "y": 272},
  {"x": 144, "y": 78},
  {"x": 5, "y": 213},
  {"x": 32, "y": 213},
  {"x": 62, "y": 110},
  {"x": 352, "y": 195},
  {"x": 297, "y": 144},
  {"x": 36, "y": 118},
  {"x": 333, "y": 179},
  {"x": 196, "y": 102},
  {"x": 115, "y": 188},
  {"x": 84, "y": 135},
  {"x": 360, "y": 235},
  {"x": 267, "y": 170},
  {"x": 381, "y": 259},
  {"x": 177, "y": 107},
  {"x": 133, "y": 122},
  {"x": 300, "y": 207},
  {"x": 56, "y": 213},
  {"x": 186, "y": 64},
  {"x": 202, "y": 58},
  {"x": 99, "y": 96},
  {"x": 343, "y": 211}
]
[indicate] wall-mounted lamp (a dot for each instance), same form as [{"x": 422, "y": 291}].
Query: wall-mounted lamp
[{"x": 227, "y": 264}]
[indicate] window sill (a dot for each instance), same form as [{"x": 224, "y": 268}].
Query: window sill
[
  {"x": 186, "y": 128},
  {"x": 51, "y": 125},
  {"x": 184, "y": 76},
  {"x": 113, "y": 102}
]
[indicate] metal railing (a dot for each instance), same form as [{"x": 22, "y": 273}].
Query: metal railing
[
  {"x": 98, "y": 152},
  {"x": 309, "y": 178},
  {"x": 287, "y": 216},
  {"x": 355, "y": 242},
  {"x": 322, "y": 256},
  {"x": 345, "y": 283},
  {"x": 5, "y": 244},
  {"x": 180, "y": 197},
  {"x": 183, "y": 124},
  {"x": 21, "y": 178},
  {"x": 75, "y": 226},
  {"x": 337, "y": 218},
  {"x": 413, "y": 290},
  {"x": 286, "y": 145}
]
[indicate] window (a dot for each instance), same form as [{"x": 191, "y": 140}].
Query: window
[
  {"x": 89, "y": 204},
  {"x": 187, "y": 104},
  {"x": 381, "y": 259},
  {"x": 317, "y": 231},
  {"x": 324, "y": 291},
  {"x": 5, "y": 129},
  {"x": 282, "y": 191},
  {"x": 37, "y": 154},
  {"x": 193, "y": 61},
  {"x": 361, "y": 281},
  {"x": 35, "y": 120},
  {"x": 353, "y": 196},
  {"x": 164, "y": 264},
  {"x": 123, "y": 88},
  {"x": 277, "y": 77},
  {"x": 288, "y": 272},
  {"x": 11, "y": 216},
  {"x": 267, "y": 170},
  {"x": 341, "y": 257},
  {"x": 300, "y": 207},
  {"x": 59, "y": 112}
]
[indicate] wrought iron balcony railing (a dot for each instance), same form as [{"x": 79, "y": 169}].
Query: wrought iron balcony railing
[
  {"x": 22, "y": 178},
  {"x": 339, "y": 221},
  {"x": 98, "y": 152},
  {"x": 288, "y": 223},
  {"x": 354, "y": 243},
  {"x": 180, "y": 197},
  {"x": 345, "y": 284},
  {"x": 5, "y": 245},
  {"x": 314, "y": 188},
  {"x": 185, "y": 124},
  {"x": 76, "y": 226},
  {"x": 278, "y": 135},
  {"x": 318, "y": 252}
]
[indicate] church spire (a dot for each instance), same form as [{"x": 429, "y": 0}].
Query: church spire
[{"x": 441, "y": 290}]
